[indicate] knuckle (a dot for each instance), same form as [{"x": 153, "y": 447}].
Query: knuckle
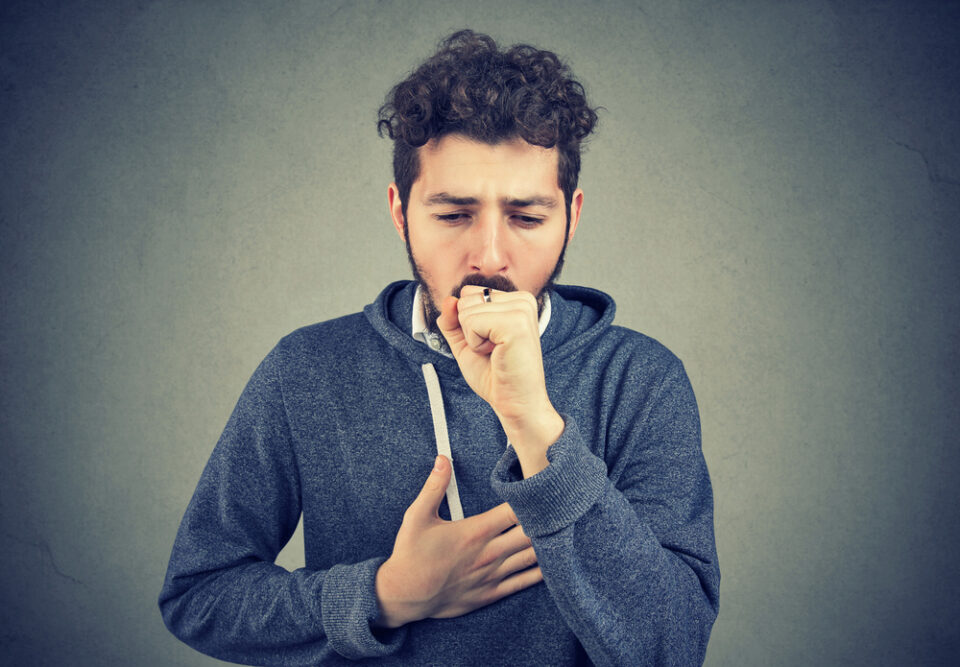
[
  {"x": 476, "y": 541},
  {"x": 485, "y": 560},
  {"x": 521, "y": 316}
]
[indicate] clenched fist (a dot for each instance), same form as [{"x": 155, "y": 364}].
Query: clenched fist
[{"x": 497, "y": 345}]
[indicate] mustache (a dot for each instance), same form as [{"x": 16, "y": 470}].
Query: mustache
[{"x": 498, "y": 282}]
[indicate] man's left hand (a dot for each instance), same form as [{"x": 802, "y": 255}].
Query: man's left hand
[{"x": 497, "y": 346}]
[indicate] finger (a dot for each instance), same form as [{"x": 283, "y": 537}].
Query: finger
[
  {"x": 448, "y": 321},
  {"x": 471, "y": 296},
  {"x": 516, "y": 563},
  {"x": 475, "y": 340},
  {"x": 519, "y": 306},
  {"x": 427, "y": 503},
  {"x": 521, "y": 302},
  {"x": 477, "y": 323},
  {"x": 474, "y": 293},
  {"x": 510, "y": 542},
  {"x": 484, "y": 329},
  {"x": 488, "y": 324},
  {"x": 519, "y": 581},
  {"x": 496, "y": 520},
  {"x": 449, "y": 325}
]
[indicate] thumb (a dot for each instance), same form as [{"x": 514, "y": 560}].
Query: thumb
[
  {"x": 427, "y": 503},
  {"x": 449, "y": 322}
]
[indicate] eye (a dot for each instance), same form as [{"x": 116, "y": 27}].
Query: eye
[
  {"x": 528, "y": 221},
  {"x": 452, "y": 217}
]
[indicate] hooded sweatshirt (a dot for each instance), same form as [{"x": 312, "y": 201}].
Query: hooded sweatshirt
[{"x": 341, "y": 422}]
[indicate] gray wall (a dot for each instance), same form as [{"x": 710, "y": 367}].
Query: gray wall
[{"x": 773, "y": 193}]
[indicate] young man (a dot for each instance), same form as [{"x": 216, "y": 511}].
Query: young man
[{"x": 567, "y": 518}]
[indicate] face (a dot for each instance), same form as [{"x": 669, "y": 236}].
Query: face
[{"x": 484, "y": 215}]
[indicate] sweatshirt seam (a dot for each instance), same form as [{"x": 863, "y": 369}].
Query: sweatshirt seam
[
  {"x": 281, "y": 353},
  {"x": 656, "y": 394},
  {"x": 315, "y": 606}
]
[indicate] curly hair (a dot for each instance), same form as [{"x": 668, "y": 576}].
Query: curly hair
[{"x": 471, "y": 87}]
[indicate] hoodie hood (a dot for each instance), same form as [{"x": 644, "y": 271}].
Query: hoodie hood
[{"x": 578, "y": 317}]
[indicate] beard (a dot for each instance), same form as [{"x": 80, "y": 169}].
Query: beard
[{"x": 497, "y": 282}]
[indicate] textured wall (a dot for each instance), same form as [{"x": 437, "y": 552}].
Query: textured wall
[{"x": 774, "y": 193}]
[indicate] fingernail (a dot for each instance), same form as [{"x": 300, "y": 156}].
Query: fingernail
[{"x": 438, "y": 463}]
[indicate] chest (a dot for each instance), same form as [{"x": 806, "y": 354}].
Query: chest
[{"x": 365, "y": 448}]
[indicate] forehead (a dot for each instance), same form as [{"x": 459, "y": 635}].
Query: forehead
[{"x": 455, "y": 162}]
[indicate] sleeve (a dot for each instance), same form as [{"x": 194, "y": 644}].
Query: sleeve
[
  {"x": 223, "y": 595},
  {"x": 631, "y": 564}
]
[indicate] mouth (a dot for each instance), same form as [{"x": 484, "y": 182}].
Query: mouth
[{"x": 498, "y": 282}]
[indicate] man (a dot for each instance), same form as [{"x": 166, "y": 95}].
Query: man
[{"x": 567, "y": 518}]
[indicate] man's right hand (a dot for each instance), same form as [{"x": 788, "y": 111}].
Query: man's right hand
[{"x": 442, "y": 569}]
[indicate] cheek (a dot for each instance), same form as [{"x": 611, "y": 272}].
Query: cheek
[
  {"x": 441, "y": 261},
  {"x": 547, "y": 249},
  {"x": 536, "y": 261}
]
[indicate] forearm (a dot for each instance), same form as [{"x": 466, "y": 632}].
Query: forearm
[
  {"x": 256, "y": 612},
  {"x": 630, "y": 601},
  {"x": 630, "y": 596}
]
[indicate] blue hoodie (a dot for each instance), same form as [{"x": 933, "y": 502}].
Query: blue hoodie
[{"x": 336, "y": 423}]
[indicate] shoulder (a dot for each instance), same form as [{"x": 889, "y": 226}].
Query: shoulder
[
  {"x": 640, "y": 370},
  {"x": 333, "y": 339},
  {"x": 322, "y": 336},
  {"x": 633, "y": 348},
  {"x": 642, "y": 344}
]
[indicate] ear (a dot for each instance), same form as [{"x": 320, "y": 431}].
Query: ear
[
  {"x": 396, "y": 209},
  {"x": 576, "y": 205}
]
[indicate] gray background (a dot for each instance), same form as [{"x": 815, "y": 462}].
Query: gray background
[{"x": 773, "y": 193}]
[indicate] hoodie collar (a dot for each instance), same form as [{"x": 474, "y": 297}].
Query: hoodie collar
[{"x": 578, "y": 316}]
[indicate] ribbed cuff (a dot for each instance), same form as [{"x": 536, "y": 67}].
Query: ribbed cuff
[
  {"x": 559, "y": 494},
  {"x": 349, "y": 605}
]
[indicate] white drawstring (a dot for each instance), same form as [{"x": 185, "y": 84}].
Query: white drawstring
[{"x": 442, "y": 437}]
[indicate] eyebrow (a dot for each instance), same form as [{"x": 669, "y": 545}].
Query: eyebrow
[
  {"x": 447, "y": 199},
  {"x": 546, "y": 202}
]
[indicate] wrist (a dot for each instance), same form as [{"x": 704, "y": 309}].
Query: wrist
[
  {"x": 532, "y": 437},
  {"x": 536, "y": 430},
  {"x": 394, "y": 611}
]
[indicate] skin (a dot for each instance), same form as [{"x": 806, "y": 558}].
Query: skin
[{"x": 480, "y": 215}]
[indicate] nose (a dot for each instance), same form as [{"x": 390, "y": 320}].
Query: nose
[{"x": 488, "y": 255}]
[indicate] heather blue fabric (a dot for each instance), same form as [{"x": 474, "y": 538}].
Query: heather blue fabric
[{"x": 335, "y": 423}]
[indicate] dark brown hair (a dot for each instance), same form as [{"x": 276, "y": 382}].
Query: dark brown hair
[{"x": 471, "y": 87}]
